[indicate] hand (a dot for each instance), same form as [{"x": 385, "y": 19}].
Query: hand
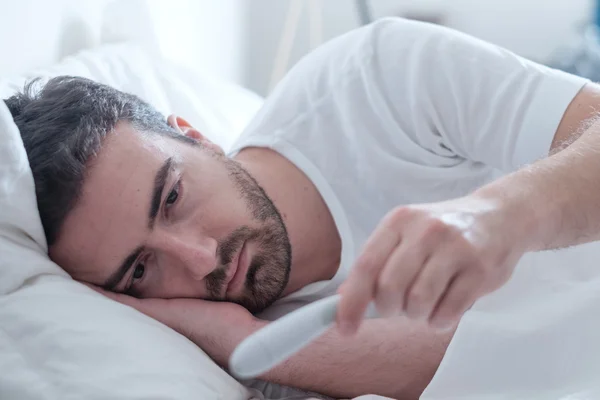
[
  {"x": 433, "y": 261},
  {"x": 216, "y": 327}
]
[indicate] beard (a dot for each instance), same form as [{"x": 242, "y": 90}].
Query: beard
[{"x": 269, "y": 269}]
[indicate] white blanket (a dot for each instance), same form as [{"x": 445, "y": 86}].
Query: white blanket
[{"x": 535, "y": 338}]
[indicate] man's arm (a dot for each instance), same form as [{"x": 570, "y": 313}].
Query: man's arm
[
  {"x": 561, "y": 193},
  {"x": 580, "y": 115},
  {"x": 435, "y": 260},
  {"x": 390, "y": 357}
]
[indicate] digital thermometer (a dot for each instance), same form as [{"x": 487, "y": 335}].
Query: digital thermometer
[{"x": 279, "y": 340}]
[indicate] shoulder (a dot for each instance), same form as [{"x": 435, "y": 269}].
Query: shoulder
[{"x": 315, "y": 78}]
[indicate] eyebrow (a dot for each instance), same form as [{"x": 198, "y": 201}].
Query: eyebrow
[{"x": 160, "y": 180}]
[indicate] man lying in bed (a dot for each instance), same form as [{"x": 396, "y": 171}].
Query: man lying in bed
[{"x": 323, "y": 188}]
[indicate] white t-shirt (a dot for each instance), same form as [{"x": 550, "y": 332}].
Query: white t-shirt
[{"x": 403, "y": 112}]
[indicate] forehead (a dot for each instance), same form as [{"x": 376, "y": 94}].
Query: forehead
[{"x": 115, "y": 198}]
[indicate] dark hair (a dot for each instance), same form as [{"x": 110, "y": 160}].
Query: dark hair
[{"x": 63, "y": 125}]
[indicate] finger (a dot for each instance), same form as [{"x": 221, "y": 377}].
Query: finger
[
  {"x": 399, "y": 271},
  {"x": 430, "y": 284},
  {"x": 462, "y": 292},
  {"x": 359, "y": 288}
]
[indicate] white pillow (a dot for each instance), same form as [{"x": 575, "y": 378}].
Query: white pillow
[{"x": 59, "y": 339}]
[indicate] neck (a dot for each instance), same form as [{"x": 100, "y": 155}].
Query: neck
[{"x": 315, "y": 241}]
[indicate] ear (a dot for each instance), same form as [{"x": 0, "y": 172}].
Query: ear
[{"x": 185, "y": 128}]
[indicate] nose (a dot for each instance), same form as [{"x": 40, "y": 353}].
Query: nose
[{"x": 197, "y": 256}]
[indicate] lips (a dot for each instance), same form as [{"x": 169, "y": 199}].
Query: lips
[{"x": 238, "y": 267}]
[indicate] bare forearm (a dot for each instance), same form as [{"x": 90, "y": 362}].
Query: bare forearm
[
  {"x": 555, "y": 202},
  {"x": 392, "y": 357}
]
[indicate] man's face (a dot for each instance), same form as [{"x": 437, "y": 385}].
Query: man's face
[{"x": 158, "y": 217}]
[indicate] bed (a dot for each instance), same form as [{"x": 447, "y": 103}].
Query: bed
[{"x": 61, "y": 340}]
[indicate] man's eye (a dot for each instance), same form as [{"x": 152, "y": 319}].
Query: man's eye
[
  {"x": 173, "y": 195},
  {"x": 136, "y": 276},
  {"x": 138, "y": 273}
]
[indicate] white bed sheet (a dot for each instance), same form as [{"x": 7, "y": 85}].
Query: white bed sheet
[{"x": 536, "y": 338}]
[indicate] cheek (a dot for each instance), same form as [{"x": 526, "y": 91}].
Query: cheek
[
  {"x": 216, "y": 201},
  {"x": 170, "y": 284},
  {"x": 224, "y": 211}
]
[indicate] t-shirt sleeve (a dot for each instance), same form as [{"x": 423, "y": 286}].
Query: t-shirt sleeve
[{"x": 459, "y": 96}]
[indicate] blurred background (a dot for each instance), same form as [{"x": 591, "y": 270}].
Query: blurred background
[{"x": 254, "y": 42}]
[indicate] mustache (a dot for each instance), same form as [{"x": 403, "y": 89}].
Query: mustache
[{"x": 227, "y": 249}]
